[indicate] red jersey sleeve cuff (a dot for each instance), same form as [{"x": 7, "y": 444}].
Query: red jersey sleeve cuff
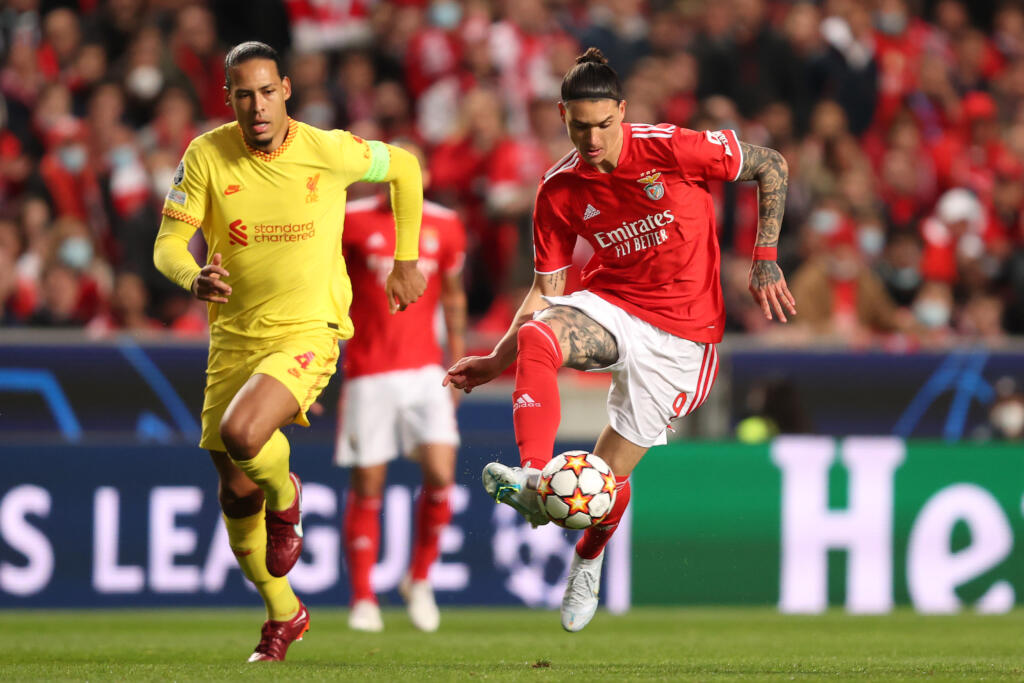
[
  {"x": 739, "y": 155},
  {"x": 548, "y": 272}
]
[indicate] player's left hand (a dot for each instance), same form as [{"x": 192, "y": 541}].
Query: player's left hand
[
  {"x": 405, "y": 284},
  {"x": 768, "y": 287}
]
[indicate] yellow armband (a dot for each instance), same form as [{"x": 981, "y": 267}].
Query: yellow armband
[{"x": 171, "y": 254}]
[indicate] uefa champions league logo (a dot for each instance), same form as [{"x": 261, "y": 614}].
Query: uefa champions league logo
[{"x": 537, "y": 560}]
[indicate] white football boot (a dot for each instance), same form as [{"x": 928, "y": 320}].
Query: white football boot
[
  {"x": 419, "y": 600},
  {"x": 365, "y": 616},
  {"x": 580, "y": 600},
  {"x": 516, "y": 487}
]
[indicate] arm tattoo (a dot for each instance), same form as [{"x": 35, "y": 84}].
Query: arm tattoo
[
  {"x": 553, "y": 284},
  {"x": 769, "y": 168},
  {"x": 590, "y": 345},
  {"x": 764, "y": 273}
]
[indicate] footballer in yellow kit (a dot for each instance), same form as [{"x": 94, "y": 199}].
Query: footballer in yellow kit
[
  {"x": 269, "y": 195},
  {"x": 276, "y": 219}
]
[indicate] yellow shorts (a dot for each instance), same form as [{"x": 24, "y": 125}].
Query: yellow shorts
[{"x": 303, "y": 363}]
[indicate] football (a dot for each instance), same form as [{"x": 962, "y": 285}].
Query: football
[{"x": 576, "y": 489}]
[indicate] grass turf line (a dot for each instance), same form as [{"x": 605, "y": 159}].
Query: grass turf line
[{"x": 515, "y": 644}]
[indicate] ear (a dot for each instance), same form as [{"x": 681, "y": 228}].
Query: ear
[
  {"x": 227, "y": 96},
  {"x": 622, "y": 108},
  {"x": 561, "y": 111},
  {"x": 286, "y": 87}
]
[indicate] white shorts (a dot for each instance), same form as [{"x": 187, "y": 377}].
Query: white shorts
[
  {"x": 383, "y": 415},
  {"x": 658, "y": 376}
]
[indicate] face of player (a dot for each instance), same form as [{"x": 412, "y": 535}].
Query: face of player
[
  {"x": 257, "y": 95},
  {"x": 595, "y": 128}
]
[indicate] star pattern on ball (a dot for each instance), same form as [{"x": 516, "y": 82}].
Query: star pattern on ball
[
  {"x": 544, "y": 487},
  {"x": 609, "y": 482},
  {"x": 578, "y": 502},
  {"x": 576, "y": 463}
]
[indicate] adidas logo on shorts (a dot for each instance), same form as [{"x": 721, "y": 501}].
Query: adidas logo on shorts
[
  {"x": 590, "y": 212},
  {"x": 525, "y": 401}
]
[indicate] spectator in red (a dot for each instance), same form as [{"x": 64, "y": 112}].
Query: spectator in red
[
  {"x": 174, "y": 125},
  {"x": 126, "y": 310},
  {"x": 199, "y": 56},
  {"x": 841, "y": 297},
  {"x": 434, "y": 51},
  {"x": 953, "y": 235},
  {"x": 17, "y": 293},
  {"x": 62, "y": 37},
  {"x": 59, "y": 297},
  {"x": 967, "y": 154},
  {"x": 69, "y": 178}
]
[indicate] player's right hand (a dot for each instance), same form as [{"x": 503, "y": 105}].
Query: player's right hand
[
  {"x": 472, "y": 371},
  {"x": 208, "y": 284}
]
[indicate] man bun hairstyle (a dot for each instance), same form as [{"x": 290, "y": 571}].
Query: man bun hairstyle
[
  {"x": 243, "y": 52},
  {"x": 591, "y": 79}
]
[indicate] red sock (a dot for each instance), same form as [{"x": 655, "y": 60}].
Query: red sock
[
  {"x": 536, "y": 405},
  {"x": 433, "y": 512},
  {"x": 361, "y": 533},
  {"x": 596, "y": 537}
]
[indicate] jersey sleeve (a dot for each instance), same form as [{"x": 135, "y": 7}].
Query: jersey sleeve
[
  {"x": 187, "y": 199},
  {"x": 455, "y": 248},
  {"x": 553, "y": 238},
  {"x": 707, "y": 155},
  {"x": 356, "y": 157}
]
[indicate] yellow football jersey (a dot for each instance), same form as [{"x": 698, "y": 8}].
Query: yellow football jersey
[{"x": 276, "y": 219}]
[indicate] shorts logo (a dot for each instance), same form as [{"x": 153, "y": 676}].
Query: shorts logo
[
  {"x": 238, "y": 234},
  {"x": 525, "y": 401},
  {"x": 654, "y": 189},
  {"x": 311, "y": 184}
]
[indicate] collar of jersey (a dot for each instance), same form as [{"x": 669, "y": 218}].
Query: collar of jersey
[
  {"x": 293, "y": 126},
  {"x": 627, "y": 133}
]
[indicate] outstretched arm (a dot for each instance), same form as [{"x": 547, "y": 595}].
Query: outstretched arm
[
  {"x": 473, "y": 371},
  {"x": 767, "y": 283}
]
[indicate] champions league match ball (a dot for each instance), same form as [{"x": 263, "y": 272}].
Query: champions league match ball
[{"x": 576, "y": 489}]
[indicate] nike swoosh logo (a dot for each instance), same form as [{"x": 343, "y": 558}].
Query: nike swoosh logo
[{"x": 231, "y": 189}]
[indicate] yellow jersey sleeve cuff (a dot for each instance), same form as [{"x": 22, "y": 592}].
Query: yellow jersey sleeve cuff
[{"x": 183, "y": 217}]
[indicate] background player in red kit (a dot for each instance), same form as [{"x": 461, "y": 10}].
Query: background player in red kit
[
  {"x": 651, "y": 310},
  {"x": 392, "y": 400}
]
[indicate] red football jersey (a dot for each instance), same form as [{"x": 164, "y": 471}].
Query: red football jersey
[
  {"x": 385, "y": 342},
  {"x": 651, "y": 222}
]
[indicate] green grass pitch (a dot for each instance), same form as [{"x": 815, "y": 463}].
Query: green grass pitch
[{"x": 515, "y": 644}]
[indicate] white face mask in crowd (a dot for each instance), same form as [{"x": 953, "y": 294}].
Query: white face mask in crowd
[{"x": 932, "y": 314}]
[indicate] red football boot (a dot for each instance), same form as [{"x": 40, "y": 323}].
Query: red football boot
[
  {"x": 284, "y": 534},
  {"x": 276, "y": 636}
]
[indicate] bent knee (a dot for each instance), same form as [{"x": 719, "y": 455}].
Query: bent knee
[{"x": 242, "y": 440}]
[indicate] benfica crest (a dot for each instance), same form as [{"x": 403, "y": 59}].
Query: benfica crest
[{"x": 653, "y": 188}]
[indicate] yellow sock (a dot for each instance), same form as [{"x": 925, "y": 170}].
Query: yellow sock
[
  {"x": 269, "y": 471},
  {"x": 248, "y": 538}
]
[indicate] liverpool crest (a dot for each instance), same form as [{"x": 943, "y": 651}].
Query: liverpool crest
[{"x": 653, "y": 187}]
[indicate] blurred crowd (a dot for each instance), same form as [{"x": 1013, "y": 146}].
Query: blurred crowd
[{"x": 902, "y": 122}]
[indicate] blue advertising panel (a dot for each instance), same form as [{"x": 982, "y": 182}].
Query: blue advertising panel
[{"x": 107, "y": 525}]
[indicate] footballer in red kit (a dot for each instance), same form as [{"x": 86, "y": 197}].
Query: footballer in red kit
[
  {"x": 393, "y": 402},
  {"x": 651, "y": 309}
]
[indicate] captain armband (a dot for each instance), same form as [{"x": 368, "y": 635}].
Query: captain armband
[{"x": 380, "y": 162}]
